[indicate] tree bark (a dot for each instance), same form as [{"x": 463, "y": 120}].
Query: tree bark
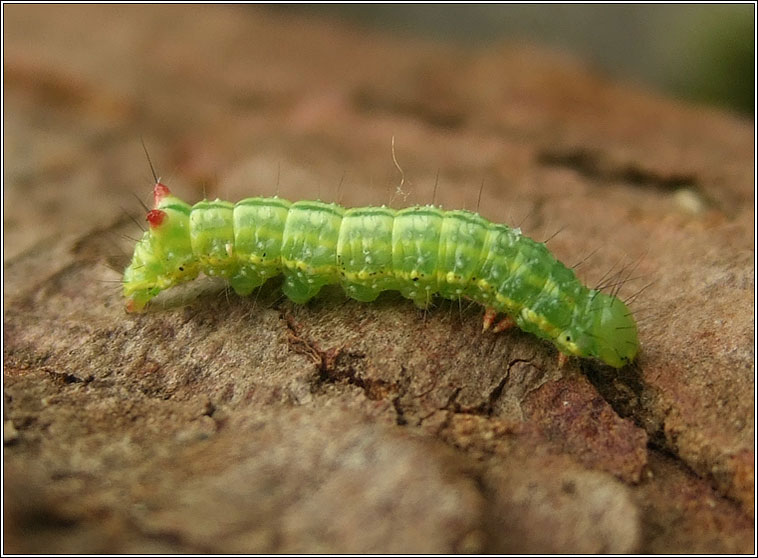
[{"x": 215, "y": 423}]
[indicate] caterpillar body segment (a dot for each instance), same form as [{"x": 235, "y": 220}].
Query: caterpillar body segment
[{"x": 419, "y": 251}]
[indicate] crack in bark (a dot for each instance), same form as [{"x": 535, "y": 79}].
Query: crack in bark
[
  {"x": 615, "y": 389},
  {"x": 596, "y": 165},
  {"x": 330, "y": 371},
  {"x": 65, "y": 378}
]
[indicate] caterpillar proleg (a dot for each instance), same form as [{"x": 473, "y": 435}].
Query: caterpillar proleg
[{"x": 420, "y": 251}]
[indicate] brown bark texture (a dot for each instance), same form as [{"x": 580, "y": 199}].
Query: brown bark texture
[{"x": 215, "y": 423}]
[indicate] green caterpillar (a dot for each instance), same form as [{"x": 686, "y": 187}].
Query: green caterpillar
[{"x": 419, "y": 251}]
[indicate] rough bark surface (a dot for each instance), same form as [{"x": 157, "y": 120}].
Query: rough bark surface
[{"x": 220, "y": 424}]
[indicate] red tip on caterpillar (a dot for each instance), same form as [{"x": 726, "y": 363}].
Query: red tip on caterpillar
[
  {"x": 131, "y": 306},
  {"x": 155, "y": 216},
  {"x": 160, "y": 191}
]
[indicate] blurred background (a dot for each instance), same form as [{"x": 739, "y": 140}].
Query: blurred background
[
  {"x": 226, "y": 96},
  {"x": 703, "y": 53}
]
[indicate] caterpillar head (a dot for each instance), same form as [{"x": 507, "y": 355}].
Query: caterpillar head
[
  {"x": 614, "y": 331},
  {"x": 610, "y": 335},
  {"x": 163, "y": 257}
]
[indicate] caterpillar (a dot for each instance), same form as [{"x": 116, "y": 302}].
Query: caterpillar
[{"x": 420, "y": 251}]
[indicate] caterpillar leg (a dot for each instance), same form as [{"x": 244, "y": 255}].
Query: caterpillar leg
[
  {"x": 245, "y": 283},
  {"x": 505, "y": 323},
  {"x": 298, "y": 289},
  {"x": 138, "y": 300},
  {"x": 489, "y": 316},
  {"x": 361, "y": 293},
  {"x": 562, "y": 359},
  {"x": 135, "y": 305},
  {"x": 422, "y": 303}
]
